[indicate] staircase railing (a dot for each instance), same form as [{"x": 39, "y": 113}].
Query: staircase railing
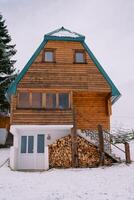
[
  {"x": 94, "y": 138},
  {"x": 107, "y": 140}
]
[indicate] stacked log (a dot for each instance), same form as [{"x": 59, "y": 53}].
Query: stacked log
[{"x": 60, "y": 154}]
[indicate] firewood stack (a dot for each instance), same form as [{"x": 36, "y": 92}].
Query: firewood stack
[{"x": 60, "y": 154}]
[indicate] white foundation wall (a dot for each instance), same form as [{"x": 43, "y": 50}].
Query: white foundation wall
[{"x": 34, "y": 161}]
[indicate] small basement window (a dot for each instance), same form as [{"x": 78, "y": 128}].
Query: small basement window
[
  {"x": 79, "y": 57},
  {"x": 27, "y": 144},
  {"x": 30, "y": 144},
  {"x": 40, "y": 143},
  {"x": 49, "y": 56},
  {"x": 23, "y": 144}
]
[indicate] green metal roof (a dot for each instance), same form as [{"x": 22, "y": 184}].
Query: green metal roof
[{"x": 63, "y": 34}]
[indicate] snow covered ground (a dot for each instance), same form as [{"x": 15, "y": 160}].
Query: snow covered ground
[{"x": 108, "y": 183}]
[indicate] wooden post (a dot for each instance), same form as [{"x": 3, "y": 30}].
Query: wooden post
[
  {"x": 127, "y": 153},
  {"x": 101, "y": 146},
  {"x": 74, "y": 142}
]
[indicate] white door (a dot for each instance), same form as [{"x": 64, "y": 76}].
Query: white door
[{"x": 32, "y": 152}]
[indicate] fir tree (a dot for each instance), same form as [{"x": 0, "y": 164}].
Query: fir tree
[{"x": 7, "y": 50}]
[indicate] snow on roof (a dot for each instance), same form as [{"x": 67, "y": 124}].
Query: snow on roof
[{"x": 62, "y": 32}]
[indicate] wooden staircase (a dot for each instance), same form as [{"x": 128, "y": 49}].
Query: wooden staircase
[{"x": 92, "y": 137}]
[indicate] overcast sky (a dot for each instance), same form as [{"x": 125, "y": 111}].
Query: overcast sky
[{"x": 109, "y": 29}]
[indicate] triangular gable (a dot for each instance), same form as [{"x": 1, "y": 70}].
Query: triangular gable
[{"x": 69, "y": 36}]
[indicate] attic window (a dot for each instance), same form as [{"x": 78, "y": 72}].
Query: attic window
[
  {"x": 49, "y": 56},
  {"x": 79, "y": 57}
]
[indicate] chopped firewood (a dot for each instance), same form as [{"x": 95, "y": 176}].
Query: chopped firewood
[{"x": 60, "y": 155}]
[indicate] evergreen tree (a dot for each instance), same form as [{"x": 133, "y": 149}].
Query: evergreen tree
[{"x": 7, "y": 50}]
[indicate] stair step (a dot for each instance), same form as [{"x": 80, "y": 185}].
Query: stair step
[{"x": 93, "y": 142}]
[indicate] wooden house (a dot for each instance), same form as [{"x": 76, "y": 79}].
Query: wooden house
[{"x": 62, "y": 77}]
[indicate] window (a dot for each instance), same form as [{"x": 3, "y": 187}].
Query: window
[
  {"x": 79, "y": 57},
  {"x": 63, "y": 100},
  {"x": 51, "y": 100},
  {"x": 49, "y": 56},
  {"x": 23, "y": 144},
  {"x": 40, "y": 143},
  {"x": 23, "y": 101},
  {"x": 27, "y": 144},
  {"x": 30, "y": 144},
  {"x": 36, "y": 100}
]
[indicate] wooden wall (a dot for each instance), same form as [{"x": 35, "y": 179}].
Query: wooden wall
[
  {"x": 39, "y": 116},
  {"x": 91, "y": 110},
  {"x": 4, "y": 122},
  {"x": 64, "y": 74},
  {"x": 85, "y": 81}
]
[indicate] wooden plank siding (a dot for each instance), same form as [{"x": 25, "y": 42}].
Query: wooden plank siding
[
  {"x": 88, "y": 87},
  {"x": 64, "y": 74},
  {"x": 91, "y": 110},
  {"x": 39, "y": 116}
]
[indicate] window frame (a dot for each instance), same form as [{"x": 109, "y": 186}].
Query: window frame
[
  {"x": 34, "y": 107},
  {"x": 18, "y": 100},
  {"x": 23, "y": 144},
  {"x": 53, "y": 101},
  {"x": 40, "y": 146},
  {"x": 49, "y": 50},
  {"x": 44, "y": 100},
  {"x": 84, "y": 56},
  {"x": 61, "y": 93},
  {"x": 27, "y": 145}
]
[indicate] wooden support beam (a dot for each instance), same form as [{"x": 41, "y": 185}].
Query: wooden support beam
[
  {"x": 101, "y": 146},
  {"x": 74, "y": 141},
  {"x": 127, "y": 153}
]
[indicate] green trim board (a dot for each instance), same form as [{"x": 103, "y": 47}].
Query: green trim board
[
  {"x": 59, "y": 34},
  {"x": 50, "y": 36},
  {"x": 63, "y": 38}
]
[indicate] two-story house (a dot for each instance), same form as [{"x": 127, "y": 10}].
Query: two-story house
[{"x": 62, "y": 75}]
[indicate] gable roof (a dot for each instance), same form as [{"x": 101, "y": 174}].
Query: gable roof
[{"x": 63, "y": 35}]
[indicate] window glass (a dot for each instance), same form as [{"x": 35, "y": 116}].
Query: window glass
[
  {"x": 79, "y": 57},
  {"x": 63, "y": 100},
  {"x": 49, "y": 57},
  {"x": 23, "y": 100},
  {"x": 23, "y": 144},
  {"x": 36, "y": 100},
  {"x": 30, "y": 144},
  {"x": 40, "y": 143},
  {"x": 51, "y": 100}
]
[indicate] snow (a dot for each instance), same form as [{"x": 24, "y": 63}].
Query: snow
[
  {"x": 65, "y": 33},
  {"x": 104, "y": 183},
  {"x": 3, "y": 75}
]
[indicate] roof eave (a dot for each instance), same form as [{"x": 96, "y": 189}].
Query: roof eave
[{"x": 64, "y": 38}]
